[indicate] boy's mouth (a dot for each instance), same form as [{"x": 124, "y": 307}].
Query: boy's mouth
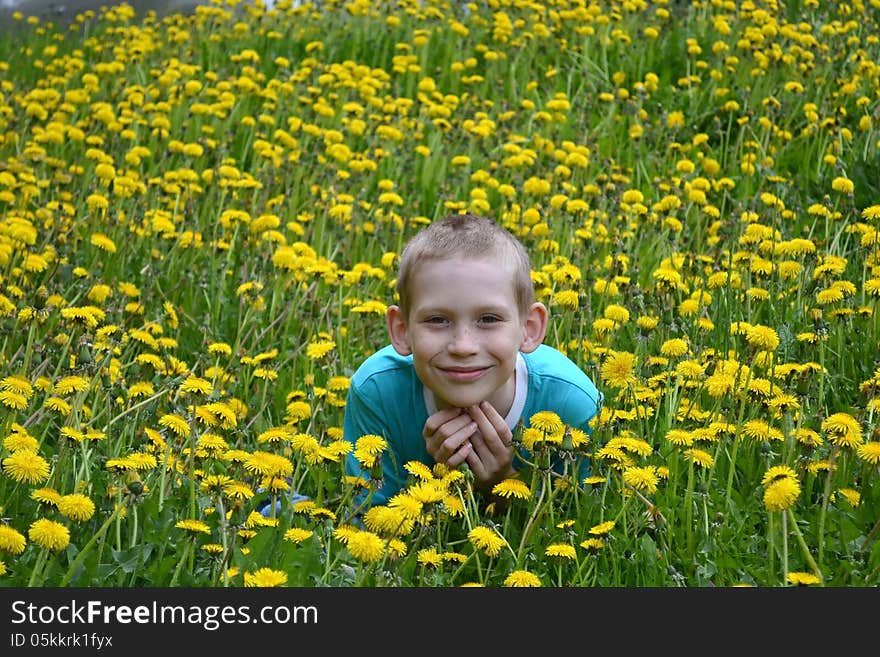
[{"x": 464, "y": 373}]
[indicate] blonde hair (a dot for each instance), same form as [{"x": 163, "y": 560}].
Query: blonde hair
[{"x": 471, "y": 236}]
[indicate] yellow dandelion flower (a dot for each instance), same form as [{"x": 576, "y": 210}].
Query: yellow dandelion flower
[
  {"x": 778, "y": 472},
  {"x": 71, "y": 384},
  {"x": 319, "y": 512},
  {"x": 296, "y": 408},
  {"x": 699, "y": 457},
  {"x": 761, "y": 430},
  {"x": 46, "y": 496},
  {"x": 487, "y": 540},
  {"x": 141, "y": 389},
  {"x": 317, "y": 350},
  {"x": 175, "y": 423},
  {"x": 522, "y": 578},
  {"x": 193, "y": 526},
  {"x": 674, "y": 348},
  {"x": 76, "y": 507},
  {"x": 26, "y": 467},
  {"x": 762, "y": 337},
  {"x": 49, "y": 534},
  {"x": 368, "y": 448},
  {"x": 547, "y": 422},
  {"x": 514, "y": 488},
  {"x": 20, "y": 439},
  {"x": 220, "y": 349},
  {"x": 407, "y": 504},
  {"x": 196, "y": 385},
  {"x": 781, "y": 494},
  {"x": 617, "y": 369},
  {"x": 366, "y": 546},
  {"x": 297, "y": 535},
  {"x": 680, "y": 437},
  {"x": 566, "y": 299},
  {"x": 802, "y": 579},
  {"x": 592, "y": 544},
  {"x": 388, "y": 520},
  {"x": 267, "y": 464},
  {"x": 807, "y": 437},
  {"x": 843, "y": 430},
  {"x": 103, "y": 242},
  {"x": 602, "y": 528},
  {"x": 13, "y": 400},
  {"x": 238, "y": 490},
  {"x": 843, "y": 185},
  {"x": 427, "y": 492},
  {"x": 850, "y": 495},
  {"x": 453, "y": 506},
  {"x": 265, "y": 578},
  {"x": 560, "y": 551},
  {"x": 429, "y": 557},
  {"x": 869, "y": 452},
  {"x": 642, "y": 478},
  {"x": 419, "y": 470},
  {"x": 11, "y": 541}
]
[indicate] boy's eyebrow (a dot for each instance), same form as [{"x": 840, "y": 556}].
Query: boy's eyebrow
[{"x": 488, "y": 308}]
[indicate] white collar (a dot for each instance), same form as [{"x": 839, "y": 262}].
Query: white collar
[{"x": 519, "y": 394}]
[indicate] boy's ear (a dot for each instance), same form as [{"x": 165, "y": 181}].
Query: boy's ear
[
  {"x": 395, "y": 320},
  {"x": 534, "y": 327}
]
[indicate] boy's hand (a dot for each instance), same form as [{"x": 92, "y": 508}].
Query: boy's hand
[
  {"x": 447, "y": 436},
  {"x": 491, "y": 459}
]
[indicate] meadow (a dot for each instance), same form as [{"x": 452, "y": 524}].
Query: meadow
[{"x": 201, "y": 220}]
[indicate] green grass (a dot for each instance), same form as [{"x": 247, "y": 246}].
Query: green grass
[{"x": 709, "y": 175}]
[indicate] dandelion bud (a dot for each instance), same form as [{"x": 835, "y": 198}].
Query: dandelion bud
[
  {"x": 567, "y": 441},
  {"x": 134, "y": 484}
]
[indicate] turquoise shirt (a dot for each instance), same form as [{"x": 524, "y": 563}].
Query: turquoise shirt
[{"x": 387, "y": 399}]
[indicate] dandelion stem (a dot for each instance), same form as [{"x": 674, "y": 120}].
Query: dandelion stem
[
  {"x": 688, "y": 508},
  {"x": 803, "y": 545},
  {"x": 36, "y": 575},
  {"x": 80, "y": 557},
  {"x": 784, "y": 547},
  {"x": 826, "y": 496},
  {"x": 184, "y": 558}
]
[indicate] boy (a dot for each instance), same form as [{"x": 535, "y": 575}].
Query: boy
[{"x": 466, "y": 359}]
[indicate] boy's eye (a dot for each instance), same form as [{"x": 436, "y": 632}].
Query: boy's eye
[
  {"x": 489, "y": 319},
  {"x": 435, "y": 320}
]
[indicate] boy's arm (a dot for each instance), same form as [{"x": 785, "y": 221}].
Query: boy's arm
[
  {"x": 363, "y": 418},
  {"x": 577, "y": 408}
]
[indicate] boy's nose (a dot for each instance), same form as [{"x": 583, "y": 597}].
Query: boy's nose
[{"x": 462, "y": 341}]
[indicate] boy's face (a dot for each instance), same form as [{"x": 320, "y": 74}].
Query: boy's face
[{"x": 464, "y": 330}]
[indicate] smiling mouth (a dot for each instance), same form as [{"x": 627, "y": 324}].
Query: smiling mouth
[{"x": 465, "y": 374}]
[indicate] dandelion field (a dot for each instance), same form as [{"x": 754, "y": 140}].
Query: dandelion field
[{"x": 200, "y": 220}]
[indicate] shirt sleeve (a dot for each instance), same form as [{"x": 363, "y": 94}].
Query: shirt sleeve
[
  {"x": 365, "y": 417},
  {"x": 578, "y": 406}
]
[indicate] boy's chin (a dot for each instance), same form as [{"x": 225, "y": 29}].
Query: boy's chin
[{"x": 459, "y": 401}]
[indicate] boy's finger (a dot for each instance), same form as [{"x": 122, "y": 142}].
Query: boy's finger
[
  {"x": 493, "y": 427},
  {"x": 446, "y": 447},
  {"x": 476, "y": 465},
  {"x": 459, "y": 456},
  {"x": 440, "y": 418},
  {"x": 497, "y": 421},
  {"x": 447, "y": 429}
]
